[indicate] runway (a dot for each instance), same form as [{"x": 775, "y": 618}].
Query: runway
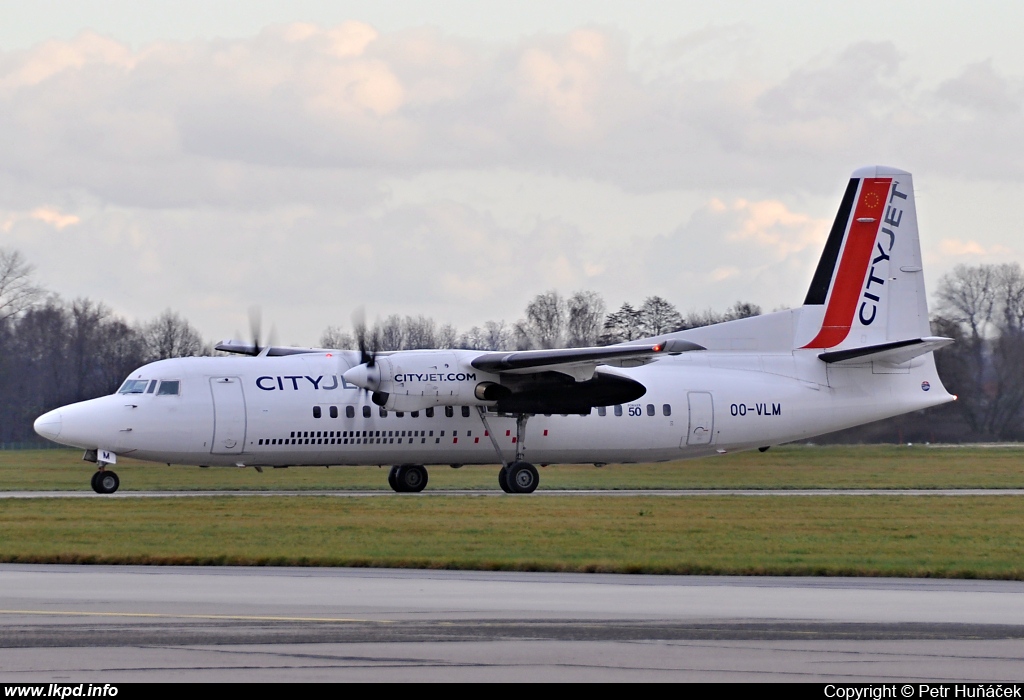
[
  {"x": 536, "y": 494},
  {"x": 119, "y": 624}
]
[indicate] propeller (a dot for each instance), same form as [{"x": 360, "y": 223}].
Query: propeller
[
  {"x": 366, "y": 375},
  {"x": 255, "y": 330},
  {"x": 367, "y": 346}
]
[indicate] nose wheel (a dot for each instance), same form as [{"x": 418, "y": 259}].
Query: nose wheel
[{"x": 105, "y": 481}]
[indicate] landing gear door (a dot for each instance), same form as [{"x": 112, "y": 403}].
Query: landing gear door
[
  {"x": 702, "y": 418},
  {"x": 228, "y": 415}
]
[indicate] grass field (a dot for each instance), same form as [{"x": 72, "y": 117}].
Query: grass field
[
  {"x": 868, "y": 466},
  {"x": 977, "y": 536},
  {"x": 844, "y": 535}
]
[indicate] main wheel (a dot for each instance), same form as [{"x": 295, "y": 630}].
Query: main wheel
[
  {"x": 503, "y": 480},
  {"x": 522, "y": 477},
  {"x": 96, "y": 481},
  {"x": 392, "y": 478},
  {"x": 107, "y": 482},
  {"x": 411, "y": 478}
]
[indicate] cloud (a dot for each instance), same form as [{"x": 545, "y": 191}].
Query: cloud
[
  {"x": 956, "y": 248},
  {"x": 172, "y": 118},
  {"x": 47, "y": 215},
  {"x": 54, "y": 218},
  {"x": 754, "y": 250},
  {"x": 237, "y": 170}
]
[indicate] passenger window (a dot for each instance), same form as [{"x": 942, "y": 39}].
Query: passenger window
[
  {"x": 334, "y": 411},
  {"x": 650, "y": 409},
  {"x": 449, "y": 411},
  {"x": 666, "y": 410},
  {"x": 415, "y": 414},
  {"x": 399, "y": 414},
  {"x": 316, "y": 411},
  {"x": 618, "y": 410},
  {"x": 465, "y": 411},
  {"x": 602, "y": 411},
  {"x": 430, "y": 413},
  {"x": 350, "y": 412},
  {"x": 168, "y": 388},
  {"x": 382, "y": 412},
  {"x": 366, "y": 411}
]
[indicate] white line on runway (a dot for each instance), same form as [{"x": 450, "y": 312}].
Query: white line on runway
[{"x": 542, "y": 493}]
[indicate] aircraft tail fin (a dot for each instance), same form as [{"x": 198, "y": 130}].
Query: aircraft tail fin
[{"x": 868, "y": 287}]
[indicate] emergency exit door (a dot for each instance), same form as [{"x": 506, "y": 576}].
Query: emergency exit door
[{"x": 702, "y": 418}]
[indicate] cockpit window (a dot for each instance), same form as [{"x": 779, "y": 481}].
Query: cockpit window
[
  {"x": 168, "y": 388},
  {"x": 133, "y": 386},
  {"x": 152, "y": 386}
]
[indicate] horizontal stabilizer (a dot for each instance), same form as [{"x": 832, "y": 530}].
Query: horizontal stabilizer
[{"x": 896, "y": 353}]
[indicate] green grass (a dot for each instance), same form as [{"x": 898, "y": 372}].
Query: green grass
[
  {"x": 977, "y": 537},
  {"x": 869, "y": 466}
]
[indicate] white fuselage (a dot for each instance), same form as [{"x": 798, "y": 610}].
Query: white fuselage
[{"x": 261, "y": 411}]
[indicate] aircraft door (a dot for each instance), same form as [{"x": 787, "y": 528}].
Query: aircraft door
[
  {"x": 228, "y": 415},
  {"x": 702, "y": 418}
]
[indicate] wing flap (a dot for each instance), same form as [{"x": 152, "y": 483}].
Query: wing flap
[{"x": 576, "y": 361}]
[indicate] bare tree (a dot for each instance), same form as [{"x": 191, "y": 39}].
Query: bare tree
[
  {"x": 121, "y": 348},
  {"x": 473, "y": 339},
  {"x": 419, "y": 332},
  {"x": 981, "y": 308},
  {"x": 546, "y": 319},
  {"x": 968, "y": 296},
  {"x": 390, "y": 333},
  {"x": 170, "y": 335},
  {"x": 742, "y": 309},
  {"x": 658, "y": 316},
  {"x": 522, "y": 339},
  {"x": 17, "y": 290},
  {"x": 448, "y": 336},
  {"x": 586, "y": 318},
  {"x": 336, "y": 338},
  {"x": 498, "y": 336}
]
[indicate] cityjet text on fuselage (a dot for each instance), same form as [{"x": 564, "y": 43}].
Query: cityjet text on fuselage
[
  {"x": 293, "y": 382},
  {"x": 435, "y": 377}
]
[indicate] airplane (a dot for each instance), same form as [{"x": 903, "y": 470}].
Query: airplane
[{"x": 857, "y": 350}]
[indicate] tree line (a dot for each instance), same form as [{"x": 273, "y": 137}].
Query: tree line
[{"x": 54, "y": 351}]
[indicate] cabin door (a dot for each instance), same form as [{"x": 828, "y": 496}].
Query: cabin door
[{"x": 228, "y": 415}]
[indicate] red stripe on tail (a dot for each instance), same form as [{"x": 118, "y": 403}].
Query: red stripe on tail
[{"x": 860, "y": 242}]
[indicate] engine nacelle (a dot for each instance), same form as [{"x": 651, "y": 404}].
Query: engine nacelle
[{"x": 412, "y": 380}]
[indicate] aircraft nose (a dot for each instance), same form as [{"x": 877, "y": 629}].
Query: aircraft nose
[{"x": 48, "y": 425}]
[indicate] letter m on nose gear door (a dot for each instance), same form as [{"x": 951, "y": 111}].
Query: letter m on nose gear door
[
  {"x": 228, "y": 415},
  {"x": 702, "y": 418}
]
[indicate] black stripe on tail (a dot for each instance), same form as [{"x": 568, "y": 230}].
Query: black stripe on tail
[{"x": 827, "y": 264}]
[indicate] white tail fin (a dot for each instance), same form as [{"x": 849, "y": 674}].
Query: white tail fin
[{"x": 868, "y": 288}]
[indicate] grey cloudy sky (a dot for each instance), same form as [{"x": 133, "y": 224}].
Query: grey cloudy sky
[{"x": 454, "y": 159}]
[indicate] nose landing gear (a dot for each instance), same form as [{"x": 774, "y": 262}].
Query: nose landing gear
[{"x": 105, "y": 481}]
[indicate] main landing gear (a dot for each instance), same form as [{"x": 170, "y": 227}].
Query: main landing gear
[
  {"x": 105, "y": 481},
  {"x": 407, "y": 478},
  {"x": 520, "y": 476}
]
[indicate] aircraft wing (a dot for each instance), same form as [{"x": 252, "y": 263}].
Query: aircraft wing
[{"x": 579, "y": 362}]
